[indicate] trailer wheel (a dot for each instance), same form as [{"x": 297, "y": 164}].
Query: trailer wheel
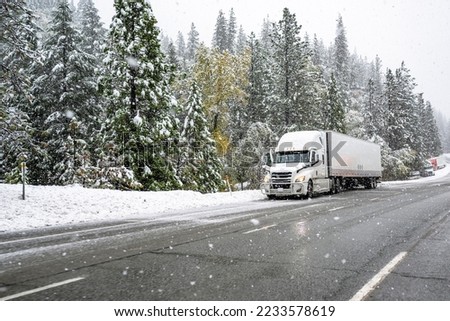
[
  {"x": 310, "y": 190},
  {"x": 338, "y": 185},
  {"x": 336, "y": 188},
  {"x": 374, "y": 183}
]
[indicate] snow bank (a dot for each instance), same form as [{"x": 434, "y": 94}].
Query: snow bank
[{"x": 57, "y": 205}]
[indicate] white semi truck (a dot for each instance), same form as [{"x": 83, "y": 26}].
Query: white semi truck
[{"x": 307, "y": 163}]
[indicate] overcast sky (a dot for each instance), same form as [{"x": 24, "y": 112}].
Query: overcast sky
[{"x": 414, "y": 31}]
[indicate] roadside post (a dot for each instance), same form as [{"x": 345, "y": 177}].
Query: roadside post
[
  {"x": 23, "y": 166},
  {"x": 228, "y": 184}
]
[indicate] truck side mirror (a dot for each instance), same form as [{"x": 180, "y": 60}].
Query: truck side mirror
[
  {"x": 312, "y": 157},
  {"x": 267, "y": 159}
]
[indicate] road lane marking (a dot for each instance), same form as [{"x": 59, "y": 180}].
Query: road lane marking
[
  {"x": 260, "y": 229},
  {"x": 70, "y": 233},
  {"x": 337, "y": 208},
  {"x": 372, "y": 284},
  {"x": 50, "y": 286}
]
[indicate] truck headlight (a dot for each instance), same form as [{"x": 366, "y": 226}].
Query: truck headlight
[
  {"x": 267, "y": 178},
  {"x": 299, "y": 178}
]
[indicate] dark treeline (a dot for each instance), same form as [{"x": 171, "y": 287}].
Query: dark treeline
[{"x": 126, "y": 107}]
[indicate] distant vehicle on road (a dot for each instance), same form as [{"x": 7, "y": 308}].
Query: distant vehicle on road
[
  {"x": 438, "y": 162},
  {"x": 414, "y": 175},
  {"x": 427, "y": 170}
]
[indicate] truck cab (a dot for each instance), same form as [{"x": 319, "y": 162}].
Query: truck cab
[{"x": 296, "y": 167}]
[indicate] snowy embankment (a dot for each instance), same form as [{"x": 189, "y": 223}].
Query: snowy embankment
[{"x": 56, "y": 205}]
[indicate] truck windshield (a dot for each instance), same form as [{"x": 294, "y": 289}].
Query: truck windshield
[{"x": 292, "y": 157}]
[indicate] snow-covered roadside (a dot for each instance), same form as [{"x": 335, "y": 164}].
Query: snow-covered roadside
[
  {"x": 421, "y": 180},
  {"x": 56, "y": 205}
]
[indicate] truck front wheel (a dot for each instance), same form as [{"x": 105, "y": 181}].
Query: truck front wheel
[{"x": 310, "y": 190}]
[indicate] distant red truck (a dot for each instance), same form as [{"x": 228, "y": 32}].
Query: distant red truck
[{"x": 437, "y": 162}]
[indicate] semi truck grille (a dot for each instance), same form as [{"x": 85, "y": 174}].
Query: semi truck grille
[{"x": 281, "y": 178}]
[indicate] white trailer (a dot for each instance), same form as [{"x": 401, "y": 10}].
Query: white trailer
[{"x": 306, "y": 163}]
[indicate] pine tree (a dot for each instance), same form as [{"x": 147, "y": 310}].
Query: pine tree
[
  {"x": 370, "y": 111},
  {"x": 231, "y": 32},
  {"x": 93, "y": 40},
  {"x": 447, "y": 139},
  {"x": 192, "y": 44},
  {"x": 18, "y": 50},
  {"x": 241, "y": 42},
  {"x": 266, "y": 32},
  {"x": 61, "y": 113},
  {"x": 341, "y": 55},
  {"x": 373, "y": 109},
  {"x": 432, "y": 144},
  {"x": 318, "y": 52},
  {"x": 141, "y": 107},
  {"x": 261, "y": 84},
  {"x": 172, "y": 56},
  {"x": 290, "y": 60},
  {"x": 220, "y": 37},
  {"x": 92, "y": 33},
  {"x": 200, "y": 165},
  {"x": 181, "y": 50},
  {"x": 334, "y": 116},
  {"x": 400, "y": 107}
]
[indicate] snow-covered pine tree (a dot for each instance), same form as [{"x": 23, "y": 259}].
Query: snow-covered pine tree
[
  {"x": 333, "y": 112},
  {"x": 261, "y": 84},
  {"x": 400, "y": 106},
  {"x": 444, "y": 130},
  {"x": 192, "y": 44},
  {"x": 290, "y": 59},
  {"x": 231, "y": 32},
  {"x": 141, "y": 108},
  {"x": 370, "y": 110},
  {"x": 200, "y": 165},
  {"x": 172, "y": 57},
  {"x": 42, "y": 9},
  {"x": 265, "y": 36},
  {"x": 431, "y": 142},
  {"x": 92, "y": 33},
  {"x": 42, "y": 4},
  {"x": 241, "y": 41},
  {"x": 18, "y": 50},
  {"x": 341, "y": 55},
  {"x": 93, "y": 40},
  {"x": 318, "y": 52},
  {"x": 181, "y": 50},
  {"x": 220, "y": 36},
  {"x": 164, "y": 42},
  {"x": 61, "y": 112},
  {"x": 447, "y": 139}
]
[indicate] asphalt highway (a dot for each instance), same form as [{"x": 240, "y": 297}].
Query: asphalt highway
[{"x": 392, "y": 243}]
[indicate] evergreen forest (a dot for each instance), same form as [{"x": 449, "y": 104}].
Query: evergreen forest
[{"x": 127, "y": 107}]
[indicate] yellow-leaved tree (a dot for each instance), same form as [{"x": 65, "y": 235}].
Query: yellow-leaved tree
[{"x": 222, "y": 78}]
